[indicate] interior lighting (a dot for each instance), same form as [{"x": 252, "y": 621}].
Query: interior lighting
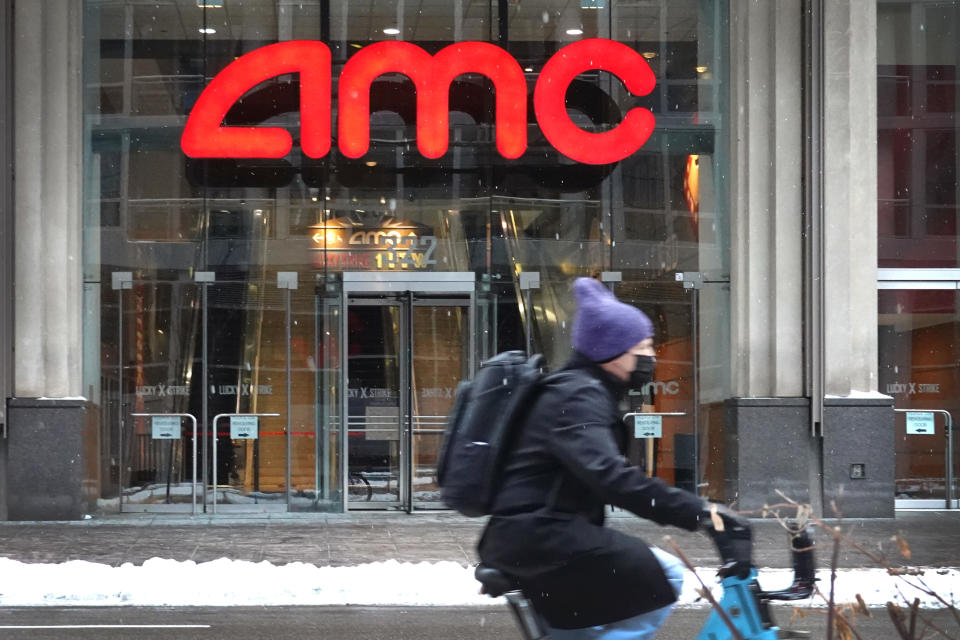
[
  {"x": 574, "y": 32},
  {"x": 370, "y": 163},
  {"x": 207, "y": 30},
  {"x": 701, "y": 69},
  {"x": 649, "y": 55},
  {"x": 391, "y": 31}
]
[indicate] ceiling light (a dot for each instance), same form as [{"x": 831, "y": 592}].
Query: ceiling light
[
  {"x": 207, "y": 30},
  {"x": 370, "y": 163},
  {"x": 391, "y": 31},
  {"x": 528, "y": 69},
  {"x": 701, "y": 69},
  {"x": 574, "y": 32},
  {"x": 649, "y": 55},
  {"x": 356, "y": 45}
]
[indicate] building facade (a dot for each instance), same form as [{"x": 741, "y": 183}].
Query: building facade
[{"x": 252, "y": 247}]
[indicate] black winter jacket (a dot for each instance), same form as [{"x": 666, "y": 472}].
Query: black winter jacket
[{"x": 547, "y": 524}]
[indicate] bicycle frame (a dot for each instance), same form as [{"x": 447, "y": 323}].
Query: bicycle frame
[{"x": 743, "y": 607}]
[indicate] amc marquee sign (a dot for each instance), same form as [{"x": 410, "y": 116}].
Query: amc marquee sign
[{"x": 204, "y": 135}]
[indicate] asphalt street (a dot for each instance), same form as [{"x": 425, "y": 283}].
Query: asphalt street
[{"x": 354, "y": 623}]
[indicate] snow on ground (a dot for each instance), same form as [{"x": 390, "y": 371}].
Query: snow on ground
[{"x": 226, "y": 582}]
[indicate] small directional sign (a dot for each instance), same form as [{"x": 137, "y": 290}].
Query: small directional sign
[
  {"x": 244, "y": 427},
  {"x": 165, "y": 427},
  {"x": 920, "y": 423},
  {"x": 647, "y": 426}
]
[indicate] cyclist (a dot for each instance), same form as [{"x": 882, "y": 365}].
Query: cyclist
[{"x": 546, "y": 529}]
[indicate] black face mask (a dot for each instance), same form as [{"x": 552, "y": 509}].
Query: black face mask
[{"x": 643, "y": 372}]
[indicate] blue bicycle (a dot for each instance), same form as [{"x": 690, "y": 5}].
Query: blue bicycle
[{"x": 744, "y": 604}]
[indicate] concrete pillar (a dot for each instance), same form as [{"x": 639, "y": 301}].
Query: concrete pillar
[
  {"x": 6, "y": 235},
  {"x": 49, "y": 461},
  {"x": 768, "y": 444},
  {"x": 850, "y": 196},
  {"x": 48, "y": 152},
  {"x": 766, "y": 435},
  {"x": 857, "y": 421},
  {"x": 766, "y": 198}
]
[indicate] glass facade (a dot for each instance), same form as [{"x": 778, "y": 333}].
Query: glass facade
[
  {"x": 917, "y": 83},
  {"x": 218, "y": 286},
  {"x": 919, "y": 192}
]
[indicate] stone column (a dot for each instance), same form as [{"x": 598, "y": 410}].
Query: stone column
[
  {"x": 850, "y": 196},
  {"x": 6, "y": 235},
  {"x": 857, "y": 421},
  {"x": 767, "y": 446},
  {"x": 766, "y": 198},
  {"x": 48, "y": 139},
  {"x": 47, "y": 417}
]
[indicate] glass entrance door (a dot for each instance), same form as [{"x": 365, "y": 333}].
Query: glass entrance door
[
  {"x": 440, "y": 359},
  {"x": 200, "y": 350},
  {"x": 919, "y": 349},
  {"x": 404, "y": 357}
]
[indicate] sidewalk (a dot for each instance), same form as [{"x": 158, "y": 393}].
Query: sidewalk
[{"x": 357, "y": 538}]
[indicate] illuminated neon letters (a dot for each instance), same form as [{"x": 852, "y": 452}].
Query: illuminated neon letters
[{"x": 205, "y": 136}]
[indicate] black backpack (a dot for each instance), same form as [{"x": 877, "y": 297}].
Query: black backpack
[{"x": 486, "y": 414}]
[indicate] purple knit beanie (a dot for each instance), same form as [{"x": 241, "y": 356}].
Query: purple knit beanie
[{"x": 604, "y": 327}]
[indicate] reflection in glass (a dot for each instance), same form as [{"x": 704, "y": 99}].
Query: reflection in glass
[
  {"x": 919, "y": 332},
  {"x": 918, "y": 99},
  {"x": 374, "y": 370},
  {"x": 441, "y": 359}
]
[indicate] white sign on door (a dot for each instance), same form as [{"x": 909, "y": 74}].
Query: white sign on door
[
  {"x": 920, "y": 423},
  {"x": 244, "y": 428},
  {"x": 165, "y": 427},
  {"x": 647, "y": 426}
]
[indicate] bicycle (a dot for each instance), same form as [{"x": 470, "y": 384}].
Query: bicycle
[{"x": 743, "y": 602}]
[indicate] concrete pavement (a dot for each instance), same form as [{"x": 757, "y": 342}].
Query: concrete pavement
[{"x": 359, "y": 537}]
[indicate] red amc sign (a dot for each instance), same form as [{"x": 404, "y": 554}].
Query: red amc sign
[{"x": 204, "y": 135}]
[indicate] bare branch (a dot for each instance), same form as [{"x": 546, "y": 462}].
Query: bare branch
[
  {"x": 833, "y": 581},
  {"x": 832, "y": 611}
]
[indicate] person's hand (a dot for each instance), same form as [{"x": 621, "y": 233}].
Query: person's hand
[{"x": 732, "y": 535}]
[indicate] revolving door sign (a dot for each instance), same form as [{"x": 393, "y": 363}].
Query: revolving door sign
[
  {"x": 648, "y": 427},
  {"x": 243, "y": 427},
  {"x": 921, "y": 434},
  {"x": 167, "y": 427}
]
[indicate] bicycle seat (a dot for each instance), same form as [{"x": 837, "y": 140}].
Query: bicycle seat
[{"x": 495, "y": 582}]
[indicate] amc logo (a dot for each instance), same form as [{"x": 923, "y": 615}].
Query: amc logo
[
  {"x": 205, "y": 136},
  {"x": 659, "y": 388}
]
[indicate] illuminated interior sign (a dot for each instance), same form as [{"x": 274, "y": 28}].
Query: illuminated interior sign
[
  {"x": 204, "y": 135},
  {"x": 386, "y": 244}
]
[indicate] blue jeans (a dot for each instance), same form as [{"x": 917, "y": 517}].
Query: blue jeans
[{"x": 641, "y": 627}]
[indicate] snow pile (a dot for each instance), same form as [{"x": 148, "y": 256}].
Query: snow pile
[{"x": 226, "y": 582}]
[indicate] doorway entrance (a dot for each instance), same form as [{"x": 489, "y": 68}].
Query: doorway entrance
[
  {"x": 919, "y": 348},
  {"x": 409, "y": 343}
]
